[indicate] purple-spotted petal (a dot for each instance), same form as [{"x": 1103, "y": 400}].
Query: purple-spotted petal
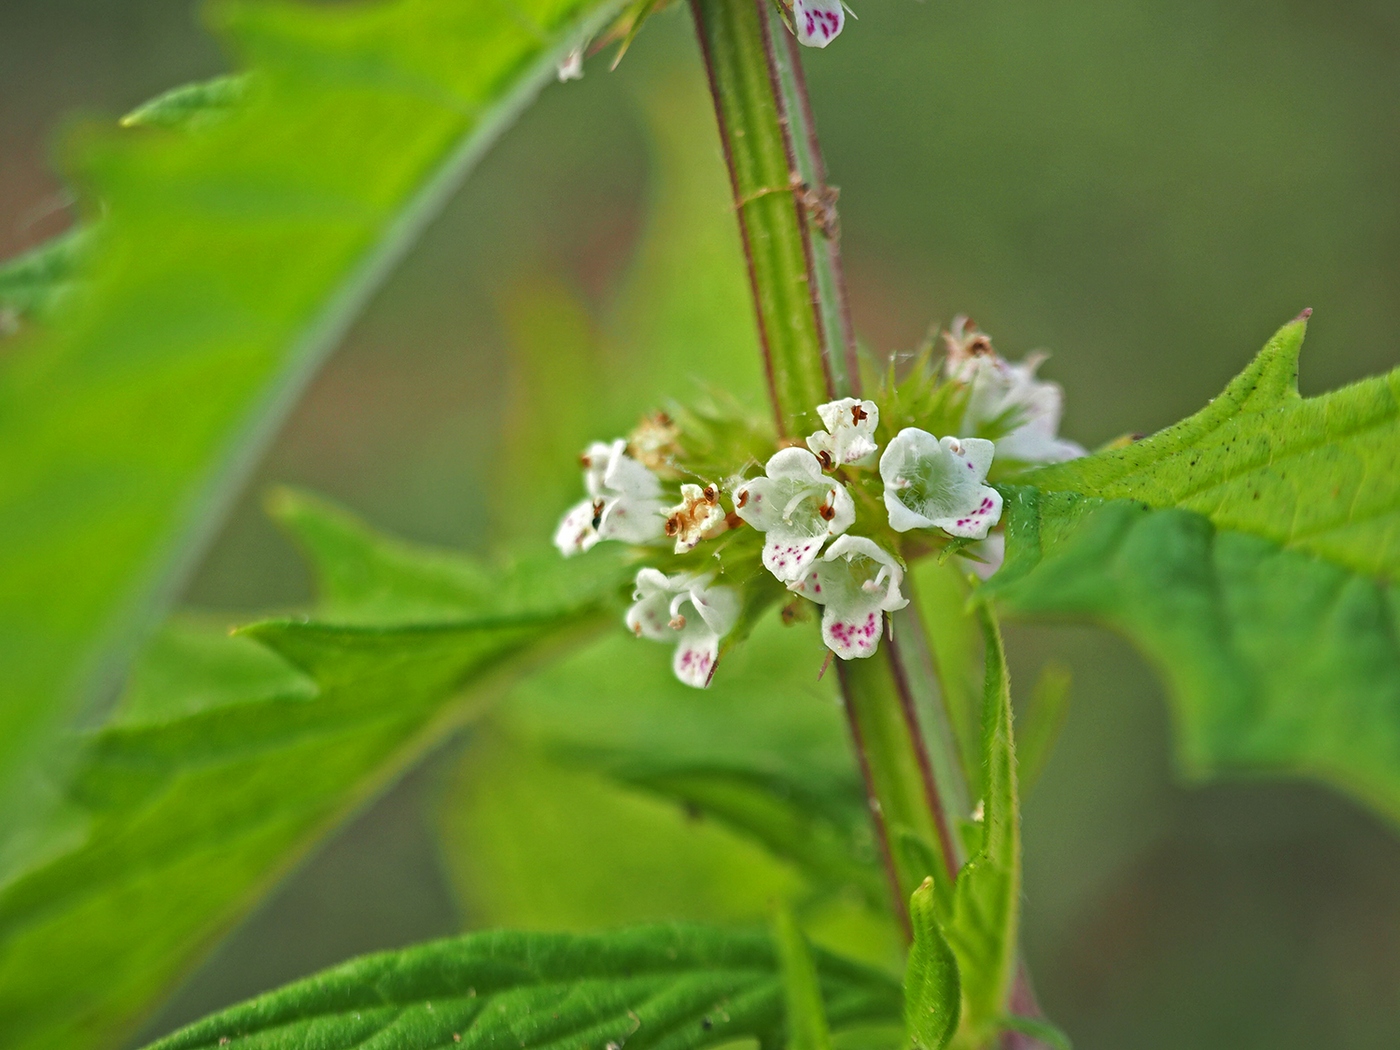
[
  {"x": 933, "y": 483},
  {"x": 817, "y": 22}
]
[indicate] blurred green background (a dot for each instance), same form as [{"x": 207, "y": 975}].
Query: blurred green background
[{"x": 1146, "y": 188}]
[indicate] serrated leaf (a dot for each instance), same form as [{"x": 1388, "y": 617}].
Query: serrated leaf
[
  {"x": 365, "y": 577},
  {"x": 932, "y": 994},
  {"x": 190, "y": 106},
  {"x": 982, "y": 929},
  {"x": 227, "y": 265},
  {"x": 194, "y": 798},
  {"x": 1276, "y": 660},
  {"x": 1247, "y": 551},
  {"x": 671, "y": 987},
  {"x": 1317, "y": 475}
]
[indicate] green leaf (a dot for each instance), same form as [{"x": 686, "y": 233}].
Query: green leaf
[
  {"x": 516, "y": 816},
  {"x": 955, "y": 639},
  {"x": 1316, "y": 475},
  {"x": 194, "y": 665},
  {"x": 227, "y": 266},
  {"x": 672, "y": 987},
  {"x": 224, "y": 763},
  {"x": 982, "y": 927},
  {"x": 190, "y": 105},
  {"x": 932, "y": 994},
  {"x": 36, "y": 283},
  {"x": 819, "y": 827},
  {"x": 364, "y": 577},
  {"x": 652, "y": 795},
  {"x": 1247, "y": 551},
  {"x": 802, "y": 991}
]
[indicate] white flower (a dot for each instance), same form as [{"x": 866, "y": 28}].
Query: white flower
[
  {"x": 858, "y": 583},
  {"x": 686, "y": 610},
  {"x": 850, "y": 432},
  {"x": 624, "y": 502},
  {"x": 698, "y": 517},
  {"x": 797, "y": 507},
  {"x": 939, "y": 484},
  {"x": 817, "y": 22},
  {"x": 1008, "y": 393}
]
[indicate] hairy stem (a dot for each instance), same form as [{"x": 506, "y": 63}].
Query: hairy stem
[
  {"x": 755, "y": 128},
  {"x": 905, "y": 744}
]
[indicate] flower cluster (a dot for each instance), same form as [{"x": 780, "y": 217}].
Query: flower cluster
[{"x": 824, "y": 521}]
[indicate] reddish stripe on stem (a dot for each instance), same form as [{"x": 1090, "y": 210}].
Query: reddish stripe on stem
[{"x": 723, "y": 123}]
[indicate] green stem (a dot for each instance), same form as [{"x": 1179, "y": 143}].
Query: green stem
[
  {"x": 824, "y": 260},
  {"x": 754, "y": 123},
  {"x": 904, "y": 740},
  {"x": 787, "y": 222},
  {"x": 895, "y": 780}
]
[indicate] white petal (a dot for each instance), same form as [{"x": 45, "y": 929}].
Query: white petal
[
  {"x": 797, "y": 507},
  {"x": 788, "y": 557},
  {"x": 821, "y": 442},
  {"x": 694, "y": 661},
  {"x": 817, "y": 22},
  {"x": 697, "y": 517},
  {"x": 1030, "y": 407},
  {"x": 974, "y": 523},
  {"x": 852, "y": 633},
  {"x": 932, "y": 483},
  {"x": 858, "y": 582},
  {"x": 650, "y": 616},
  {"x": 718, "y": 607},
  {"x": 576, "y": 533},
  {"x": 851, "y": 427},
  {"x": 632, "y": 520},
  {"x": 795, "y": 463},
  {"x": 843, "y": 511},
  {"x": 596, "y": 460},
  {"x": 628, "y": 477}
]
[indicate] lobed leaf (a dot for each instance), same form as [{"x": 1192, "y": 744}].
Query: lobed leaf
[
  {"x": 228, "y": 263},
  {"x": 223, "y": 765},
  {"x": 665, "y": 987},
  {"x": 1317, "y": 475},
  {"x": 1249, "y": 551},
  {"x": 1277, "y": 661}
]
